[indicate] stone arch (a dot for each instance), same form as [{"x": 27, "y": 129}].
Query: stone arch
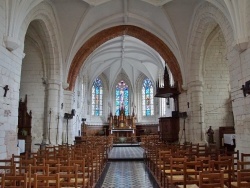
[
  {"x": 43, "y": 14},
  {"x": 45, "y": 33},
  {"x": 134, "y": 31},
  {"x": 207, "y": 18}
]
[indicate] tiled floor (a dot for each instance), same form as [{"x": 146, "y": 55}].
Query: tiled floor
[
  {"x": 126, "y": 153},
  {"x": 126, "y": 174}
]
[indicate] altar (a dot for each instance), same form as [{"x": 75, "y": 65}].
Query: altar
[
  {"x": 122, "y": 132},
  {"x": 122, "y": 126}
]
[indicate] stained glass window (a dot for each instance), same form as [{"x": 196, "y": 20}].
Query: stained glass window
[
  {"x": 122, "y": 98},
  {"x": 97, "y": 94},
  {"x": 147, "y": 98}
]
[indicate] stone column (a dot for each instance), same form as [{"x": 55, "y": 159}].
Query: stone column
[
  {"x": 196, "y": 126},
  {"x": 51, "y": 133}
]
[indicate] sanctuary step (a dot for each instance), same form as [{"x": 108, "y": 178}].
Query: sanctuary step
[
  {"x": 125, "y": 152},
  {"x": 137, "y": 144}
]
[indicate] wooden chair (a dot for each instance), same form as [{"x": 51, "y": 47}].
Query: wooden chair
[
  {"x": 4, "y": 162},
  {"x": 14, "y": 181},
  {"x": 90, "y": 170},
  {"x": 68, "y": 175},
  {"x": 24, "y": 164},
  {"x": 51, "y": 162},
  {"x": 159, "y": 166},
  {"x": 193, "y": 151},
  {"x": 151, "y": 156},
  {"x": 176, "y": 174},
  {"x": 51, "y": 180},
  {"x": 243, "y": 180},
  {"x": 8, "y": 169},
  {"x": 166, "y": 170},
  {"x": 233, "y": 168},
  {"x": 83, "y": 178},
  {"x": 243, "y": 166},
  {"x": 235, "y": 157},
  {"x": 191, "y": 174},
  {"x": 211, "y": 179},
  {"x": 97, "y": 162},
  {"x": 226, "y": 167},
  {"x": 235, "y": 154},
  {"x": 202, "y": 150},
  {"x": 206, "y": 160},
  {"x": 245, "y": 156},
  {"x": 212, "y": 151},
  {"x": 38, "y": 170}
]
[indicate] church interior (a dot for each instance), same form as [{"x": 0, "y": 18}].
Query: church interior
[{"x": 107, "y": 87}]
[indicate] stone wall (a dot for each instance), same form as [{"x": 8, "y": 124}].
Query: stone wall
[{"x": 217, "y": 99}]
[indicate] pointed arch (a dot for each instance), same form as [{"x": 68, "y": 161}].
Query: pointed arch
[
  {"x": 208, "y": 18},
  {"x": 97, "y": 97},
  {"x": 147, "y": 97},
  {"x": 95, "y": 41}
]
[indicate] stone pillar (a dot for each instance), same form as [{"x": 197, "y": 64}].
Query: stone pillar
[
  {"x": 196, "y": 127},
  {"x": 52, "y": 112}
]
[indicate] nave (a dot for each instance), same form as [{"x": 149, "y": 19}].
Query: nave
[
  {"x": 126, "y": 168},
  {"x": 98, "y": 162}
]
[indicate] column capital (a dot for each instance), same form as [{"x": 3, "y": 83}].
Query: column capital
[
  {"x": 196, "y": 85},
  {"x": 241, "y": 44},
  {"x": 54, "y": 81},
  {"x": 65, "y": 85},
  {"x": 53, "y": 84},
  {"x": 68, "y": 92},
  {"x": 11, "y": 43}
]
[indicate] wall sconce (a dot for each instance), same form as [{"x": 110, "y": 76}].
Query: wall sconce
[
  {"x": 246, "y": 88},
  {"x": 44, "y": 81},
  {"x": 70, "y": 116},
  {"x": 6, "y": 88},
  {"x": 168, "y": 102}
]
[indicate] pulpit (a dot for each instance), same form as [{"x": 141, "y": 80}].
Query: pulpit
[{"x": 169, "y": 129}]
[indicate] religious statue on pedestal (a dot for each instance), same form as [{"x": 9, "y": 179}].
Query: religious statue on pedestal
[{"x": 210, "y": 134}]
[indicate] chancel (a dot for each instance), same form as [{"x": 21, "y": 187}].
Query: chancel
[
  {"x": 122, "y": 126},
  {"x": 127, "y": 86}
]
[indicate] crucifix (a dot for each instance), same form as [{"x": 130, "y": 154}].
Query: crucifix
[{"x": 6, "y": 88}]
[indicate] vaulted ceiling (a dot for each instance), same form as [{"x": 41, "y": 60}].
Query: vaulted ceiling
[
  {"x": 153, "y": 2},
  {"x": 124, "y": 54},
  {"x": 169, "y": 20}
]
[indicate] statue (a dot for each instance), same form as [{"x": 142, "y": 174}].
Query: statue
[{"x": 210, "y": 134}]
